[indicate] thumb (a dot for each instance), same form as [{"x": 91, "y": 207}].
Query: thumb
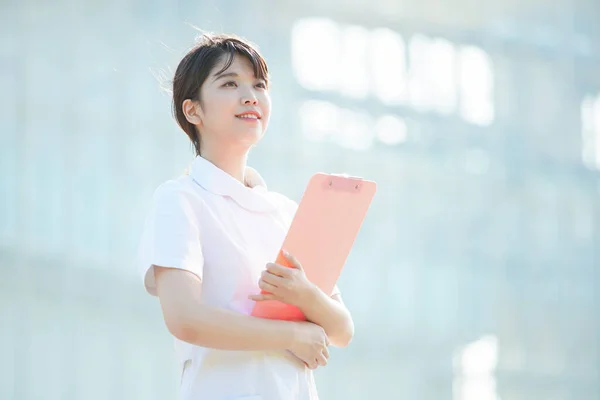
[{"x": 293, "y": 260}]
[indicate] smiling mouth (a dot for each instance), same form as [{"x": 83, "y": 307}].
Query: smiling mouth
[{"x": 248, "y": 116}]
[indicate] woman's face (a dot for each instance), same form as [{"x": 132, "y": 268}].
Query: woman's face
[{"x": 235, "y": 105}]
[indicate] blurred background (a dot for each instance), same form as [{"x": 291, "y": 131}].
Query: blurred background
[{"x": 476, "y": 273}]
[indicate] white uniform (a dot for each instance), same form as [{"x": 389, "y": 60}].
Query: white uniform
[{"x": 212, "y": 225}]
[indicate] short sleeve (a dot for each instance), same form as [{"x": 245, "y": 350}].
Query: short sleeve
[{"x": 171, "y": 235}]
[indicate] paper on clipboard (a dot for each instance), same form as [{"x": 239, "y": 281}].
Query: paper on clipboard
[{"x": 321, "y": 235}]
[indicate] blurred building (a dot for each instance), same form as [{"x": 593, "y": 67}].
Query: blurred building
[{"x": 475, "y": 275}]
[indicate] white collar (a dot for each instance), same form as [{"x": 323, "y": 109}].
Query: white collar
[{"x": 215, "y": 180}]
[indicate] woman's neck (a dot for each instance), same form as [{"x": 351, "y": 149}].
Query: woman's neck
[{"x": 232, "y": 163}]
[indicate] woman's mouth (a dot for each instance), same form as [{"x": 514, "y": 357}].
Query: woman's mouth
[{"x": 248, "y": 116}]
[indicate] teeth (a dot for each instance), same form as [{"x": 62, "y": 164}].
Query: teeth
[{"x": 249, "y": 116}]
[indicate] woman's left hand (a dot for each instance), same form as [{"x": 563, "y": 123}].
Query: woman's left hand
[{"x": 286, "y": 284}]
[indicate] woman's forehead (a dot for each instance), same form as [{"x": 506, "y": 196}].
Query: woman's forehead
[{"x": 239, "y": 65}]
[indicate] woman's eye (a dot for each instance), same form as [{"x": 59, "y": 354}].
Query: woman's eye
[
  {"x": 230, "y": 84},
  {"x": 261, "y": 85}
]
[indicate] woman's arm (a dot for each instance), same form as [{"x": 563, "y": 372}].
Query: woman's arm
[
  {"x": 191, "y": 321},
  {"x": 291, "y": 286},
  {"x": 188, "y": 320},
  {"x": 331, "y": 314}
]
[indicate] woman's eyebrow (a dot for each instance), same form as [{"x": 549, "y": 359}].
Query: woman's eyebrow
[{"x": 227, "y": 74}]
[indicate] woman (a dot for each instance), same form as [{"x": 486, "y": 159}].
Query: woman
[{"x": 209, "y": 240}]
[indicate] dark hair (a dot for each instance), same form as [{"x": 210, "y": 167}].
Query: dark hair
[{"x": 196, "y": 66}]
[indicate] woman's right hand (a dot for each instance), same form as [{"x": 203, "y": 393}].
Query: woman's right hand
[{"x": 310, "y": 344}]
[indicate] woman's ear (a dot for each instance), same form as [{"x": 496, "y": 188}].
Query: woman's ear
[{"x": 192, "y": 112}]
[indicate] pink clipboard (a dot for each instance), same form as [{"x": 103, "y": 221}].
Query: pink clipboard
[{"x": 321, "y": 235}]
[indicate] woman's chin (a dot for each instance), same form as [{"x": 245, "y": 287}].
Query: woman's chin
[{"x": 250, "y": 137}]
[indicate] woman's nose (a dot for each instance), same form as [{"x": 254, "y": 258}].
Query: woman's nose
[{"x": 249, "y": 98}]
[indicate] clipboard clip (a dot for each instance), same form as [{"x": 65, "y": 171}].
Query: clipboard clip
[{"x": 346, "y": 182}]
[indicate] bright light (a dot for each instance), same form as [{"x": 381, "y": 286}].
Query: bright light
[
  {"x": 319, "y": 120},
  {"x": 432, "y": 78},
  {"x": 476, "y": 83},
  {"x": 316, "y": 53},
  {"x": 442, "y": 76},
  {"x": 324, "y": 121},
  {"x": 391, "y": 130},
  {"x": 475, "y": 367},
  {"x": 480, "y": 357},
  {"x": 389, "y": 74},
  {"x": 596, "y": 142},
  {"x": 353, "y": 74},
  {"x": 418, "y": 84},
  {"x": 427, "y": 74},
  {"x": 356, "y": 130},
  {"x": 590, "y": 132},
  {"x": 482, "y": 389}
]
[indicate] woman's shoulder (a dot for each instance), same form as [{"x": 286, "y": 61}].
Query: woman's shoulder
[
  {"x": 174, "y": 185},
  {"x": 177, "y": 191},
  {"x": 283, "y": 202}
]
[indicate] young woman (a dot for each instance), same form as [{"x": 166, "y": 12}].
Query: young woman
[{"x": 209, "y": 239}]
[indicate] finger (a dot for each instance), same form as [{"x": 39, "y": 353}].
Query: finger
[
  {"x": 266, "y": 286},
  {"x": 279, "y": 270},
  {"x": 313, "y": 364},
  {"x": 293, "y": 260},
  {"x": 262, "y": 297},
  {"x": 298, "y": 357},
  {"x": 326, "y": 352},
  {"x": 273, "y": 279},
  {"x": 321, "y": 360},
  {"x": 327, "y": 340}
]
